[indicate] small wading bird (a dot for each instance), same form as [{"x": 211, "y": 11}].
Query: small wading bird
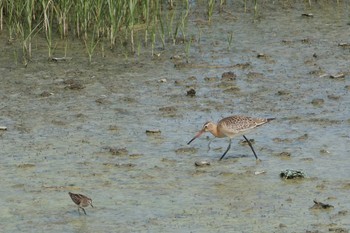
[
  {"x": 231, "y": 127},
  {"x": 81, "y": 201}
]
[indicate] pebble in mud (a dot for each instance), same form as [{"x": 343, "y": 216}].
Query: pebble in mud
[
  {"x": 337, "y": 76},
  {"x": 261, "y": 55},
  {"x": 317, "y": 102},
  {"x": 202, "y": 163},
  {"x": 228, "y": 76},
  {"x": 292, "y": 174},
  {"x": 191, "y": 92},
  {"x": 307, "y": 15},
  {"x": 153, "y": 131},
  {"x": 324, "y": 152},
  {"x": 344, "y": 45}
]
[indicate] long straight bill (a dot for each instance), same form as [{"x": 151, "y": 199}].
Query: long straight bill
[{"x": 197, "y": 136}]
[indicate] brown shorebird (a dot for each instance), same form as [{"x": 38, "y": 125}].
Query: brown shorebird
[
  {"x": 81, "y": 200},
  {"x": 231, "y": 127}
]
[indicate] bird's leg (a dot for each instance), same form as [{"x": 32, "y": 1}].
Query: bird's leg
[
  {"x": 251, "y": 147},
  {"x": 229, "y": 146},
  {"x": 83, "y": 210},
  {"x": 79, "y": 210}
]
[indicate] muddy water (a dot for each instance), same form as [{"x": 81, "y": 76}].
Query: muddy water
[{"x": 82, "y": 128}]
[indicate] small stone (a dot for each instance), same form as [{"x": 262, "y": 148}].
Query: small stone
[
  {"x": 344, "y": 45},
  {"x": 162, "y": 80},
  {"x": 324, "y": 151},
  {"x": 337, "y": 76},
  {"x": 191, "y": 92},
  {"x": 228, "y": 76},
  {"x": 153, "y": 131},
  {"x": 317, "y": 102},
  {"x": 292, "y": 174},
  {"x": 261, "y": 55},
  {"x": 259, "y": 172},
  {"x": 307, "y": 15},
  {"x": 201, "y": 163}
]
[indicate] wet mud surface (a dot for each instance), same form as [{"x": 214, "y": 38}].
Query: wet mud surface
[{"x": 117, "y": 131}]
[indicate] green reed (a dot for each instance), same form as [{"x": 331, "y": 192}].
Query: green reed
[
  {"x": 211, "y": 4},
  {"x": 229, "y": 40},
  {"x": 47, "y": 11},
  {"x": 118, "y": 24}
]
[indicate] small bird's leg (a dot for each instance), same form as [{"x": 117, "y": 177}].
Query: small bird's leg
[
  {"x": 251, "y": 147},
  {"x": 229, "y": 146},
  {"x": 79, "y": 210},
  {"x": 209, "y": 144},
  {"x": 83, "y": 210}
]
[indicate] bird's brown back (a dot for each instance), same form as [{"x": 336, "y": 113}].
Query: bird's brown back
[{"x": 237, "y": 124}]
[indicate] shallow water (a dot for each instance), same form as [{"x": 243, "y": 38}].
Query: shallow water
[{"x": 93, "y": 140}]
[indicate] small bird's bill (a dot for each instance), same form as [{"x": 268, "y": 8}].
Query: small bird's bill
[{"x": 197, "y": 136}]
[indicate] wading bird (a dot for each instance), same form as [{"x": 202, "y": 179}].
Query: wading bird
[
  {"x": 230, "y": 127},
  {"x": 81, "y": 200}
]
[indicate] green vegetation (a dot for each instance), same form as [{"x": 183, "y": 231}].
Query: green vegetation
[
  {"x": 113, "y": 23},
  {"x": 125, "y": 26}
]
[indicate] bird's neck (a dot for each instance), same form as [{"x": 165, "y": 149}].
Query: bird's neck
[{"x": 216, "y": 132}]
